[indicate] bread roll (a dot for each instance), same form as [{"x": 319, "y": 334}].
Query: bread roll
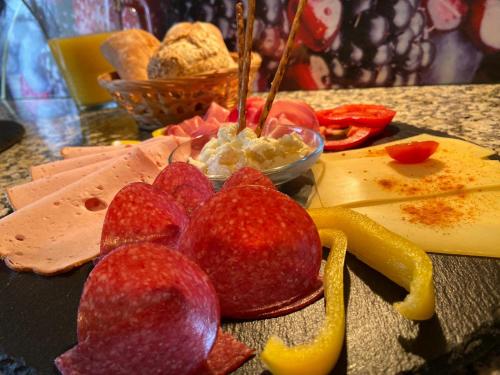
[
  {"x": 190, "y": 49},
  {"x": 129, "y": 51}
]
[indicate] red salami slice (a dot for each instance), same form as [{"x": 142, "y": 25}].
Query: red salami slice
[
  {"x": 260, "y": 248},
  {"x": 189, "y": 187},
  {"x": 227, "y": 355},
  {"x": 248, "y": 176},
  {"x": 142, "y": 213},
  {"x": 144, "y": 309}
]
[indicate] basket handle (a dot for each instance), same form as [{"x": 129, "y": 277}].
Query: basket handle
[{"x": 143, "y": 12}]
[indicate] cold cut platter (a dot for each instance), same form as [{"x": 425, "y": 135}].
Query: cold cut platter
[{"x": 39, "y": 314}]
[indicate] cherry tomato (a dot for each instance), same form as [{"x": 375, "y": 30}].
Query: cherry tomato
[
  {"x": 355, "y": 137},
  {"x": 413, "y": 152},
  {"x": 366, "y": 115}
]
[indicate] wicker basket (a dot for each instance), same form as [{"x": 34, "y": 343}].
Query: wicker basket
[{"x": 156, "y": 103}]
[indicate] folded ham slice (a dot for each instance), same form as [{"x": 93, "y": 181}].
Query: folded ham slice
[
  {"x": 62, "y": 230},
  {"x": 194, "y": 127}
]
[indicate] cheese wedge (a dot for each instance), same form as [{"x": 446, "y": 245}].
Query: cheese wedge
[
  {"x": 464, "y": 224},
  {"x": 362, "y": 181},
  {"x": 63, "y": 229},
  {"x": 447, "y": 146},
  {"x": 24, "y": 194}
]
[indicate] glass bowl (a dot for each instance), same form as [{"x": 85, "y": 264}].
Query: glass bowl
[{"x": 278, "y": 175}]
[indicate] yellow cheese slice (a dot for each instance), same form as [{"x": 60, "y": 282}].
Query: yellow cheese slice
[
  {"x": 446, "y": 146},
  {"x": 361, "y": 181},
  {"x": 464, "y": 224}
]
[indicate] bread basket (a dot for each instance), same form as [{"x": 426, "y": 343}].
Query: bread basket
[{"x": 156, "y": 103}]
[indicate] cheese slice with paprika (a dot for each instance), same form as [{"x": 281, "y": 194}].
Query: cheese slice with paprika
[
  {"x": 362, "y": 181},
  {"x": 447, "y": 146},
  {"x": 463, "y": 224}
]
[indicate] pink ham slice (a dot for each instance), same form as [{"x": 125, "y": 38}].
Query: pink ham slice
[
  {"x": 58, "y": 166},
  {"x": 70, "y": 152},
  {"x": 194, "y": 127},
  {"x": 21, "y": 195},
  {"x": 216, "y": 112},
  {"x": 65, "y": 227},
  {"x": 24, "y": 194},
  {"x": 285, "y": 111},
  {"x": 295, "y": 112},
  {"x": 158, "y": 149}
]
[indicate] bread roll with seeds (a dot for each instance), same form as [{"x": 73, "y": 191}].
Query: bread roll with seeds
[{"x": 189, "y": 49}]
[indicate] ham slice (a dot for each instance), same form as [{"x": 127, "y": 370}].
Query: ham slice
[
  {"x": 194, "y": 127},
  {"x": 296, "y": 112},
  {"x": 216, "y": 112},
  {"x": 75, "y": 152},
  {"x": 65, "y": 227},
  {"x": 49, "y": 169},
  {"x": 159, "y": 149},
  {"x": 24, "y": 194},
  {"x": 156, "y": 148}
]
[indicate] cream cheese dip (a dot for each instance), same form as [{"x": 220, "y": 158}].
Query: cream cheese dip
[{"x": 229, "y": 151}]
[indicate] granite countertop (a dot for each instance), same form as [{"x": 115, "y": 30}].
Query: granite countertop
[{"x": 471, "y": 112}]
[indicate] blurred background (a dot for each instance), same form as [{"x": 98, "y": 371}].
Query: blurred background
[{"x": 341, "y": 44}]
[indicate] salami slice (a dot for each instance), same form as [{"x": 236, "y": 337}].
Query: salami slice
[
  {"x": 260, "y": 248},
  {"x": 227, "y": 355},
  {"x": 144, "y": 309},
  {"x": 142, "y": 213},
  {"x": 189, "y": 187},
  {"x": 248, "y": 176}
]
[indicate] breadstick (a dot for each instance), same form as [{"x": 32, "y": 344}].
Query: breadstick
[
  {"x": 240, "y": 23},
  {"x": 281, "y": 67},
  {"x": 246, "y": 65}
]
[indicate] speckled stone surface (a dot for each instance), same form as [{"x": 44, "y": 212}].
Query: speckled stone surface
[{"x": 469, "y": 112}]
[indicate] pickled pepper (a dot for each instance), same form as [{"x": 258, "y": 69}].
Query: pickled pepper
[
  {"x": 390, "y": 254},
  {"x": 320, "y": 356}
]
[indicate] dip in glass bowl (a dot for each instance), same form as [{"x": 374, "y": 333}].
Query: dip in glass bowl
[{"x": 218, "y": 158}]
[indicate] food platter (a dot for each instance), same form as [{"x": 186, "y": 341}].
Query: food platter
[{"x": 38, "y": 314}]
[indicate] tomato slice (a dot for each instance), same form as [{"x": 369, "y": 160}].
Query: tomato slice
[
  {"x": 355, "y": 137},
  {"x": 366, "y": 115},
  {"x": 413, "y": 152}
]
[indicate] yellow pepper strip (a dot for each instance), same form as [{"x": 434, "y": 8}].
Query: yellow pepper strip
[
  {"x": 390, "y": 254},
  {"x": 159, "y": 132},
  {"x": 125, "y": 142},
  {"x": 320, "y": 356}
]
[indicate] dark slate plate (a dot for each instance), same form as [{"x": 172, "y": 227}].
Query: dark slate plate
[
  {"x": 38, "y": 316},
  {"x": 11, "y": 132}
]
